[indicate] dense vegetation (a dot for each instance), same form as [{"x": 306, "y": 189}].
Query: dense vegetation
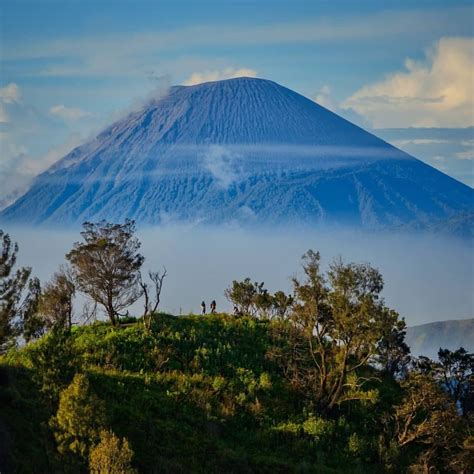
[{"x": 316, "y": 381}]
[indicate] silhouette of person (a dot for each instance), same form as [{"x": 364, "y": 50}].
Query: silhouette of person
[
  {"x": 203, "y": 308},
  {"x": 213, "y": 306}
]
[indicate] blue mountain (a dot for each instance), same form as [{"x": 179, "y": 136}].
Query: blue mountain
[{"x": 243, "y": 150}]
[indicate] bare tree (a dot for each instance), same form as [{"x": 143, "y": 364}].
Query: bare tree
[
  {"x": 152, "y": 295},
  {"x": 106, "y": 265}
]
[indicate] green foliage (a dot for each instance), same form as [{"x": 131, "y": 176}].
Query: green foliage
[
  {"x": 199, "y": 394},
  {"x": 111, "y": 455},
  {"x": 54, "y": 362},
  {"x": 334, "y": 331},
  {"x": 18, "y": 297},
  {"x": 322, "y": 374},
  {"x": 55, "y": 304},
  {"x": 252, "y": 299},
  {"x": 80, "y": 416}
]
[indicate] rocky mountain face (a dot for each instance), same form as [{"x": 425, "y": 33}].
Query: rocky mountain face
[{"x": 248, "y": 151}]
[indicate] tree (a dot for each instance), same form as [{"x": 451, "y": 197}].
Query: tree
[
  {"x": 334, "y": 331},
  {"x": 106, "y": 265},
  {"x": 243, "y": 295},
  {"x": 18, "y": 295},
  {"x": 393, "y": 353},
  {"x": 32, "y": 325},
  {"x": 56, "y": 301},
  {"x": 456, "y": 373},
  {"x": 151, "y": 302},
  {"x": 80, "y": 417},
  {"x": 111, "y": 455},
  {"x": 281, "y": 304},
  {"x": 427, "y": 422}
]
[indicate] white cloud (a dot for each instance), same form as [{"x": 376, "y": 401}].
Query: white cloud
[
  {"x": 18, "y": 168},
  {"x": 228, "y": 73},
  {"x": 435, "y": 93},
  {"x": 323, "y": 97},
  {"x": 220, "y": 162},
  {"x": 466, "y": 155},
  {"x": 68, "y": 113},
  {"x": 419, "y": 141},
  {"x": 10, "y": 93}
]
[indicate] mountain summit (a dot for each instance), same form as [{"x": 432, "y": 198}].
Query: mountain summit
[{"x": 242, "y": 150}]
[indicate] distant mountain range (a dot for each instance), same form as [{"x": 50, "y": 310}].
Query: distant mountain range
[
  {"x": 426, "y": 339},
  {"x": 249, "y": 151}
]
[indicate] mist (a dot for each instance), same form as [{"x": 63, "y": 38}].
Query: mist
[{"x": 427, "y": 278}]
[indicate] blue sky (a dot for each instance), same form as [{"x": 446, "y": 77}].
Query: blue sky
[{"x": 70, "y": 67}]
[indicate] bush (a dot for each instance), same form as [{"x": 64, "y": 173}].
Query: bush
[
  {"x": 111, "y": 455},
  {"x": 80, "y": 416}
]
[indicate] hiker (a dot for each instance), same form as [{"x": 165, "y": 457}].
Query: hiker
[
  {"x": 203, "y": 308},
  {"x": 213, "y": 307}
]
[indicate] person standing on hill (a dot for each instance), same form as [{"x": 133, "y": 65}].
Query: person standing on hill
[
  {"x": 203, "y": 307},
  {"x": 213, "y": 307}
]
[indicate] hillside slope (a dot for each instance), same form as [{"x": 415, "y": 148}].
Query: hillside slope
[
  {"x": 426, "y": 339},
  {"x": 245, "y": 150}
]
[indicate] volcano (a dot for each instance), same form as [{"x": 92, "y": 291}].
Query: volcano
[{"x": 245, "y": 151}]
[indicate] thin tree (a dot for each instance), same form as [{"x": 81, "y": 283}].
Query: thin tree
[
  {"x": 18, "y": 294},
  {"x": 106, "y": 265},
  {"x": 56, "y": 302},
  {"x": 152, "y": 295}
]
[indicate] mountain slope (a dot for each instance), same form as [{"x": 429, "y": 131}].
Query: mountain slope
[
  {"x": 245, "y": 150},
  {"x": 426, "y": 339}
]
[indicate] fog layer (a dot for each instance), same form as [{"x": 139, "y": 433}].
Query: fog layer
[{"x": 427, "y": 278}]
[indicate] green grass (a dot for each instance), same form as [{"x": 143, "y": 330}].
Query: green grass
[{"x": 195, "y": 394}]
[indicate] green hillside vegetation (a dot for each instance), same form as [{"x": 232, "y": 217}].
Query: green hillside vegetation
[{"x": 317, "y": 381}]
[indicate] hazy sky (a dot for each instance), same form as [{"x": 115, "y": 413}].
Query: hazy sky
[
  {"x": 68, "y": 67},
  {"x": 426, "y": 278},
  {"x": 402, "y": 68}
]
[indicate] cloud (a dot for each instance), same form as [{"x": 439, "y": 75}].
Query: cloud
[
  {"x": 220, "y": 162},
  {"x": 98, "y": 54},
  {"x": 228, "y": 73},
  {"x": 466, "y": 155},
  {"x": 323, "y": 97},
  {"x": 68, "y": 113},
  {"x": 10, "y": 95},
  {"x": 436, "y": 92},
  {"x": 18, "y": 167}
]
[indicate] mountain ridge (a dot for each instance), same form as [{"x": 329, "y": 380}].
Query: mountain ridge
[
  {"x": 243, "y": 149},
  {"x": 426, "y": 339}
]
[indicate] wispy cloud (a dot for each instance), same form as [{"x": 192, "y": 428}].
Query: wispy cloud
[
  {"x": 217, "y": 75},
  {"x": 466, "y": 155},
  {"x": 68, "y": 113},
  {"x": 437, "y": 92},
  {"x": 323, "y": 97},
  {"x": 19, "y": 167},
  {"x": 220, "y": 162},
  {"x": 100, "y": 54}
]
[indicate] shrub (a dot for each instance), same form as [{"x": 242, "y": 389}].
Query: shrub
[
  {"x": 111, "y": 455},
  {"x": 80, "y": 416}
]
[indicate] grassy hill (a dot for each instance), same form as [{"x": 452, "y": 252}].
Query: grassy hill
[{"x": 196, "y": 394}]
